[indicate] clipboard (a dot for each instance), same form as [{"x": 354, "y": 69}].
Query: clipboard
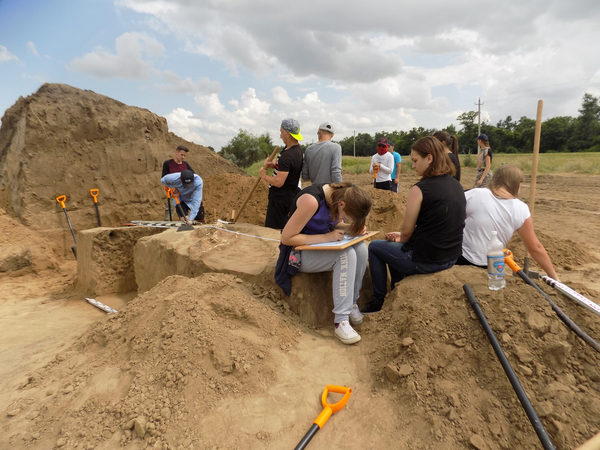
[{"x": 338, "y": 245}]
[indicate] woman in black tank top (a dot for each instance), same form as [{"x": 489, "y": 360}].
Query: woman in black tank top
[{"x": 431, "y": 235}]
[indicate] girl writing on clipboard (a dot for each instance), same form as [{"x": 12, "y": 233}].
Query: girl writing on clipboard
[{"x": 319, "y": 214}]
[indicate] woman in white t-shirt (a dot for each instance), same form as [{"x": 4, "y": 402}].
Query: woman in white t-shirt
[{"x": 497, "y": 208}]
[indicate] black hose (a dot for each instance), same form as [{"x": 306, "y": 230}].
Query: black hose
[
  {"x": 510, "y": 373},
  {"x": 307, "y": 437},
  {"x": 560, "y": 313}
]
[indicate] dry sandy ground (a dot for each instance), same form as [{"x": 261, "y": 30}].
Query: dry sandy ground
[{"x": 226, "y": 367}]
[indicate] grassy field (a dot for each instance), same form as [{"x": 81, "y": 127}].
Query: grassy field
[{"x": 581, "y": 163}]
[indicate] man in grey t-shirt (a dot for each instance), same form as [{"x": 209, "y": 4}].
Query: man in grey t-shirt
[{"x": 323, "y": 160}]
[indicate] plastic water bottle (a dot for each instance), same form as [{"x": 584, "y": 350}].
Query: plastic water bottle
[{"x": 495, "y": 261}]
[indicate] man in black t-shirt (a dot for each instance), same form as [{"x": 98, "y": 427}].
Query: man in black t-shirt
[{"x": 283, "y": 184}]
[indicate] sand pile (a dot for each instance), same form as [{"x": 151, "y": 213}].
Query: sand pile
[
  {"x": 22, "y": 250},
  {"x": 429, "y": 351},
  {"x": 150, "y": 375},
  {"x": 65, "y": 141}
]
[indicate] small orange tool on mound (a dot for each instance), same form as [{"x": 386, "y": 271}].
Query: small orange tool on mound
[{"x": 328, "y": 410}]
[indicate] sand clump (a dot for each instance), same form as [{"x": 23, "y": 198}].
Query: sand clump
[{"x": 155, "y": 371}]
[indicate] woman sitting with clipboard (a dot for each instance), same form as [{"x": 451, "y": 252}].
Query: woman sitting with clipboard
[
  {"x": 318, "y": 215},
  {"x": 432, "y": 231}
]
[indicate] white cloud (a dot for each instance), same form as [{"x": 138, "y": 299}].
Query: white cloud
[
  {"x": 379, "y": 65},
  {"x": 32, "y": 49},
  {"x": 127, "y": 61},
  {"x": 186, "y": 86},
  {"x": 6, "y": 56}
]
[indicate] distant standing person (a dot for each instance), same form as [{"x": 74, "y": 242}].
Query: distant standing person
[
  {"x": 189, "y": 188},
  {"x": 283, "y": 184},
  {"x": 484, "y": 162},
  {"x": 323, "y": 160},
  {"x": 397, "y": 166},
  {"x": 450, "y": 144},
  {"x": 382, "y": 166},
  {"x": 175, "y": 165}
]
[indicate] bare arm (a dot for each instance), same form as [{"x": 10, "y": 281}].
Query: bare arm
[
  {"x": 276, "y": 180},
  {"x": 413, "y": 208},
  {"x": 535, "y": 247},
  {"x": 291, "y": 235}
]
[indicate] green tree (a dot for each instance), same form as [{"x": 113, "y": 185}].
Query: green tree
[
  {"x": 468, "y": 132},
  {"x": 586, "y": 129},
  {"x": 556, "y": 133},
  {"x": 245, "y": 148}
]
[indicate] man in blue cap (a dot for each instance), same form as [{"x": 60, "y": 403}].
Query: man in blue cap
[
  {"x": 283, "y": 184},
  {"x": 189, "y": 188}
]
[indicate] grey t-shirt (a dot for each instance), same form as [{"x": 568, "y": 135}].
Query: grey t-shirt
[{"x": 323, "y": 163}]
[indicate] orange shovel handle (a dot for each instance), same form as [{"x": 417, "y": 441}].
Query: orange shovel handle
[
  {"x": 62, "y": 200},
  {"x": 508, "y": 259},
  {"x": 175, "y": 196},
  {"x": 94, "y": 193},
  {"x": 329, "y": 409},
  {"x": 168, "y": 189}
]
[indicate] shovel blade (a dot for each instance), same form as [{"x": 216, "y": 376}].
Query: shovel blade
[{"x": 185, "y": 228}]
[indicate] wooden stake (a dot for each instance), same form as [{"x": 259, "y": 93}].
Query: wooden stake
[
  {"x": 232, "y": 214},
  {"x": 215, "y": 214},
  {"x": 534, "y": 168},
  {"x": 235, "y": 218}
]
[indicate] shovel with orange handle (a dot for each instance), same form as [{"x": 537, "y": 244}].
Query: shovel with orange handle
[
  {"x": 168, "y": 189},
  {"x": 508, "y": 259},
  {"x": 328, "y": 410},
  {"x": 186, "y": 226},
  {"x": 62, "y": 200},
  {"x": 95, "y": 193},
  {"x": 375, "y": 170}
]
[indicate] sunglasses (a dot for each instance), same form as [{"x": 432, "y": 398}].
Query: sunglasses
[{"x": 381, "y": 145}]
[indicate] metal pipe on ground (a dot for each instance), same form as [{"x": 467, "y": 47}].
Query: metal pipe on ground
[
  {"x": 572, "y": 294},
  {"x": 559, "y": 312},
  {"x": 510, "y": 373}
]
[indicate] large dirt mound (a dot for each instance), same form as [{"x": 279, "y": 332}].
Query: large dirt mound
[
  {"x": 429, "y": 343},
  {"x": 65, "y": 141},
  {"x": 155, "y": 370}
]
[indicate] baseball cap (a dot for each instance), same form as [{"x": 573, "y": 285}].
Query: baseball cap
[
  {"x": 326, "y": 126},
  {"x": 292, "y": 126},
  {"x": 382, "y": 142},
  {"x": 187, "y": 178},
  {"x": 483, "y": 137}
]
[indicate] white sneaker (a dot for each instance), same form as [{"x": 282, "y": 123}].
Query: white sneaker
[
  {"x": 345, "y": 333},
  {"x": 356, "y": 317}
]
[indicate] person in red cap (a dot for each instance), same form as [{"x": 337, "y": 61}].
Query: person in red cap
[{"x": 382, "y": 166}]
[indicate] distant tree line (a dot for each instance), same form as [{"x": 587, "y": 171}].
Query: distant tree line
[{"x": 559, "y": 134}]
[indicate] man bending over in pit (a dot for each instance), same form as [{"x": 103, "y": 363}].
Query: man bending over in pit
[{"x": 188, "y": 186}]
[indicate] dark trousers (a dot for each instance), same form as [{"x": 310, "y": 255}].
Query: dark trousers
[
  {"x": 279, "y": 207},
  {"x": 385, "y": 185},
  {"x": 384, "y": 254},
  {"x": 462, "y": 261},
  {"x": 183, "y": 210},
  {"x": 394, "y": 187}
]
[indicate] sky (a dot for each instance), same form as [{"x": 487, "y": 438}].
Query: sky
[{"x": 213, "y": 67}]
